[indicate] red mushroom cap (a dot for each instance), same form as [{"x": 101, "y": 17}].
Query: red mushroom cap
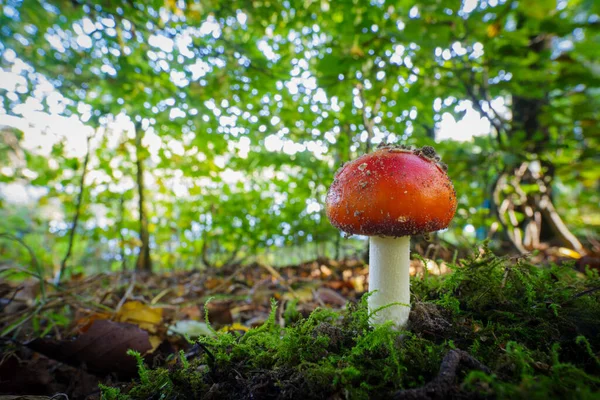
[{"x": 392, "y": 192}]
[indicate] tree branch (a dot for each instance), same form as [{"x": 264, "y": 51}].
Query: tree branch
[
  {"x": 366, "y": 122},
  {"x": 370, "y": 123},
  {"x": 469, "y": 87}
]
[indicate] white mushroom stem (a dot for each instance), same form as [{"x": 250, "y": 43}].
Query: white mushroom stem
[{"x": 389, "y": 278}]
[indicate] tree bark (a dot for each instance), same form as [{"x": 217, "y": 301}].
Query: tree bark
[
  {"x": 144, "y": 262},
  {"x": 541, "y": 221},
  {"x": 121, "y": 236}
]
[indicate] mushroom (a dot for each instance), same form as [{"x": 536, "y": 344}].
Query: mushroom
[{"x": 391, "y": 194}]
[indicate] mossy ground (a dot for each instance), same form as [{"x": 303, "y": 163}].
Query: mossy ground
[{"x": 536, "y": 329}]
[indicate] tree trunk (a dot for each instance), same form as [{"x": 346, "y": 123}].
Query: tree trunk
[
  {"x": 120, "y": 232},
  {"x": 144, "y": 262},
  {"x": 541, "y": 221},
  {"x": 78, "y": 206}
]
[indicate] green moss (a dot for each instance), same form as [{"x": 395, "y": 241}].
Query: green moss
[{"x": 536, "y": 329}]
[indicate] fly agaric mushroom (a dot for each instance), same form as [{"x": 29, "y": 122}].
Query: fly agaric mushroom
[{"x": 391, "y": 194}]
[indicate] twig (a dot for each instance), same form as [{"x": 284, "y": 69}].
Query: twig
[
  {"x": 228, "y": 279},
  {"x": 438, "y": 388},
  {"x": 586, "y": 292},
  {"x": 39, "y": 271},
  {"x": 17, "y": 290},
  {"x": 581, "y": 294},
  {"x": 127, "y": 293},
  {"x": 14, "y": 325},
  {"x": 195, "y": 350},
  {"x": 505, "y": 277}
]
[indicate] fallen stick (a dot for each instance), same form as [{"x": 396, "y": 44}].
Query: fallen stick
[{"x": 443, "y": 382}]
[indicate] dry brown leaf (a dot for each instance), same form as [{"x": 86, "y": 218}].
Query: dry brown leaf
[
  {"x": 212, "y": 283},
  {"x": 219, "y": 313},
  {"x": 84, "y": 323},
  {"x": 103, "y": 348},
  {"x": 190, "y": 312},
  {"x": 329, "y": 296}
]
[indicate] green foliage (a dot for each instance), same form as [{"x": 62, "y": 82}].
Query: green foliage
[
  {"x": 142, "y": 371},
  {"x": 111, "y": 393},
  {"x": 502, "y": 318},
  {"x": 214, "y": 89}
]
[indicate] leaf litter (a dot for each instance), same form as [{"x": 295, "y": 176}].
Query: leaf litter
[{"x": 90, "y": 323}]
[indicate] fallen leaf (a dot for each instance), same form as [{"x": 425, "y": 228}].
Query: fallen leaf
[
  {"x": 563, "y": 251},
  {"x": 236, "y": 326},
  {"x": 84, "y": 323},
  {"x": 591, "y": 262},
  {"x": 237, "y": 311},
  {"x": 155, "y": 341},
  {"x": 329, "y": 296},
  {"x": 103, "y": 348},
  {"x": 190, "y": 328},
  {"x": 17, "y": 375},
  {"x": 358, "y": 283},
  {"x": 325, "y": 271},
  {"x": 189, "y": 312},
  {"x": 303, "y": 294},
  {"x": 212, "y": 283},
  {"x": 140, "y": 314},
  {"x": 219, "y": 313}
]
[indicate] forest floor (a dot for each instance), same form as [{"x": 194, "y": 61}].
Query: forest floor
[{"x": 492, "y": 327}]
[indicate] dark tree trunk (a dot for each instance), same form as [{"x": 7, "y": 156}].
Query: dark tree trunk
[
  {"x": 541, "y": 222},
  {"x": 144, "y": 262}
]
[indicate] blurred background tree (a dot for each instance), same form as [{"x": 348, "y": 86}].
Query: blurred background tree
[{"x": 176, "y": 134}]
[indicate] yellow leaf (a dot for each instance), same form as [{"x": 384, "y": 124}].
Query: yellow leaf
[
  {"x": 142, "y": 315},
  {"x": 304, "y": 294},
  {"x": 358, "y": 282},
  {"x": 356, "y": 51},
  {"x": 155, "y": 341},
  {"x": 563, "y": 251},
  {"x": 171, "y": 5},
  {"x": 236, "y": 326},
  {"x": 493, "y": 30}
]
